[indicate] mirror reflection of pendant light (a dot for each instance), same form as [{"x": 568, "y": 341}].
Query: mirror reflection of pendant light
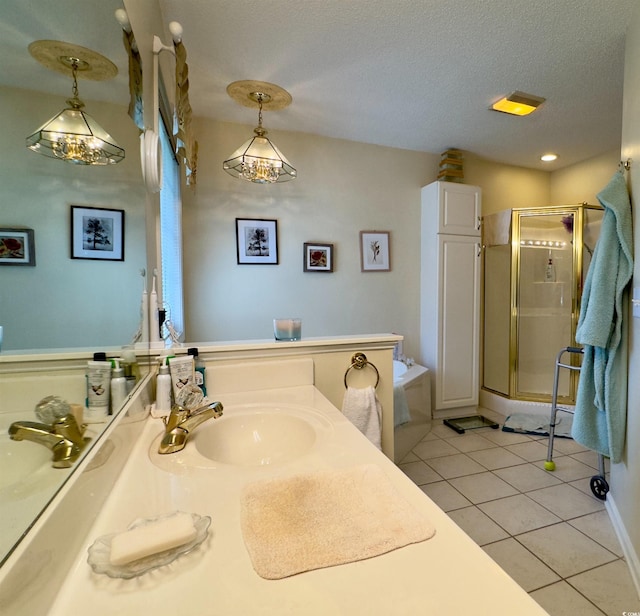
[
  {"x": 73, "y": 135},
  {"x": 258, "y": 159}
]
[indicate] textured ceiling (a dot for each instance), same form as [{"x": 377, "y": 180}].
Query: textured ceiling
[{"x": 414, "y": 74}]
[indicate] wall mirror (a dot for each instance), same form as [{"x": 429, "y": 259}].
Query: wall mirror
[{"x": 58, "y": 302}]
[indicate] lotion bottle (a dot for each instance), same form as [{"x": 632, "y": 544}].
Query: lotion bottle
[
  {"x": 98, "y": 388},
  {"x": 118, "y": 387},
  {"x": 163, "y": 388}
]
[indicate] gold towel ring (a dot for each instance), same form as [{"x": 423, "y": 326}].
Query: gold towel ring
[{"x": 359, "y": 361}]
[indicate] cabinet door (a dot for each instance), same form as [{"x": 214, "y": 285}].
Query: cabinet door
[
  {"x": 457, "y": 374},
  {"x": 459, "y": 207}
]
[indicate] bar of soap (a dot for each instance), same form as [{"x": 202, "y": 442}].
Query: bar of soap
[{"x": 152, "y": 538}]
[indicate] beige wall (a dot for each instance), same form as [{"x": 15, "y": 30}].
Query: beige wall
[{"x": 582, "y": 182}]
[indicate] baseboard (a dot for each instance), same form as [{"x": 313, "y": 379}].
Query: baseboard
[
  {"x": 506, "y": 406},
  {"x": 630, "y": 555}
]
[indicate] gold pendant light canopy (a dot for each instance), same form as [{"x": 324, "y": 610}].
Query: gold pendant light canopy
[
  {"x": 258, "y": 160},
  {"x": 73, "y": 135}
]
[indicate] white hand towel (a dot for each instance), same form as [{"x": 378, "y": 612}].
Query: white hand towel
[{"x": 363, "y": 409}]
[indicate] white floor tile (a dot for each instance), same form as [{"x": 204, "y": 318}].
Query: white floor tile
[
  {"x": 479, "y": 526},
  {"x": 569, "y": 469},
  {"x": 482, "y": 487},
  {"x": 518, "y": 514},
  {"x": 527, "y": 570},
  {"x": 565, "y": 501},
  {"x": 497, "y": 457},
  {"x": 527, "y": 477},
  {"x": 561, "y": 599},
  {"x": 434, "y": 449},
  {"x": 445, "y": 496},
  {"x": 505, "y": 438},
  {"x": 598, "y": 527},
  {"x": 455, "y": 466},
  {"x": 609, "y": 587},
  {"x": 533, "y": 451},
  {"x": 566, "y": 550},
  {"x": 470, "y": 442},
  {"x": 420, "y": 473}
]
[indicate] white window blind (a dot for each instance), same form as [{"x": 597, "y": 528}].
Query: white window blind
[{"x": 171, "y": 234}]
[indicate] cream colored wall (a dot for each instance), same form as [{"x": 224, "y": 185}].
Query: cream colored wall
[
  {"x": 582, "y": 182},
  {"x": 343, "y": 187},
  {"x": 506, "y": 186},
  {"x": 625, "y": 477}
]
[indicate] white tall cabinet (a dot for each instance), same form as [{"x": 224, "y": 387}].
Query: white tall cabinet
[{"x": 450, "y": 295}]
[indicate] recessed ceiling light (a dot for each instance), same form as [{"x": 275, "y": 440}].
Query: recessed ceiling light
[
  {"x": 518, "y": 103},
  {"x": 547, "y": 158}
]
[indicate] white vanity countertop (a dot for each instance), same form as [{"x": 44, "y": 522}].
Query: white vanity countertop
[{"x": 445, "y": 575}]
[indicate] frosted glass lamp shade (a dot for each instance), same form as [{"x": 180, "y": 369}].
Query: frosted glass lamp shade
[
  {"x": 260, "y": 161},
  {"x": 74, "y": 136}
]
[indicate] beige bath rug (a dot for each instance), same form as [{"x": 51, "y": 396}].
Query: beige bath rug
[{"x": 321, "y": 519}]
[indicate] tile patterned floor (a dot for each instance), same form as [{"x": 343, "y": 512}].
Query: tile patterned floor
[{"x": 545, "y": 529}]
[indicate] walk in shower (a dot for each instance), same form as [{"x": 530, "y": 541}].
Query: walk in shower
[{"x": 535, "y": 263}]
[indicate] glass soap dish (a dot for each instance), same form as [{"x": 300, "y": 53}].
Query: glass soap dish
[{"x": 100, "y": 551}]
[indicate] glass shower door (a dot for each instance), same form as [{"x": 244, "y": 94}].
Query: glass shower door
[{"x": 545, "y": 298}]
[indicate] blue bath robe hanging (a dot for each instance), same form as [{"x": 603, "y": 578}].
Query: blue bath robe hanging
[{"x": 601, "y": 405}]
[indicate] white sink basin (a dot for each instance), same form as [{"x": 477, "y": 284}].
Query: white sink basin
[
  {"x": 19, "y": 460},
  {"x": 248, "y": 436},
  {"x": 255, "y": 438}
]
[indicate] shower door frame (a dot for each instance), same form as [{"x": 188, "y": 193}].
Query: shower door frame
[{"x": 568, "y": 395}]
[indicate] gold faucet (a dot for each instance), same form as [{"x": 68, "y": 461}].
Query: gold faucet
[
  {"x": 64, "y": 438},
  {"x": 181, "y": 422}
]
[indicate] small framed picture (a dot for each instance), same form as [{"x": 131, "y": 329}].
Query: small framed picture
[
  {"x": 374, "y": 251},
  {"x": 97, "y": 233},
  {"x": 257, "y": 241},
  {"x": 317, "y": 257},
  {"x": 17, "y": 247}
]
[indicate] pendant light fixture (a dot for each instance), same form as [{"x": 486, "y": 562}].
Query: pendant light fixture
[
  {"x": 258, "y": 160},
  {"x": 73, "y": 135}
]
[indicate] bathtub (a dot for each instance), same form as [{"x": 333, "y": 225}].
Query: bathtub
[{"x": 415, "y": 387}]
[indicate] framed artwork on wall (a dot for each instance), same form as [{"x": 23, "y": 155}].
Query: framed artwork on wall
[
  {"x": 97, "y": 233},
  {"x": 374, "y": 251},
  {"x": 257, "y": 241},
  {"x": 317, "y": 257},
  {"x": 17, "y": 247}
]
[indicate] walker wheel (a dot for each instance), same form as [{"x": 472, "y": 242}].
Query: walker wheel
[
  {"x": 549, "y": 465},
  {"x": 599, "y": 487}
]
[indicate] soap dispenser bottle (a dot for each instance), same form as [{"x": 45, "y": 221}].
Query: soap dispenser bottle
[
  {"x": 550, "y": 272},
  {"x": 163, "y": 388},
  {"x": 198, "y": 364}
]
